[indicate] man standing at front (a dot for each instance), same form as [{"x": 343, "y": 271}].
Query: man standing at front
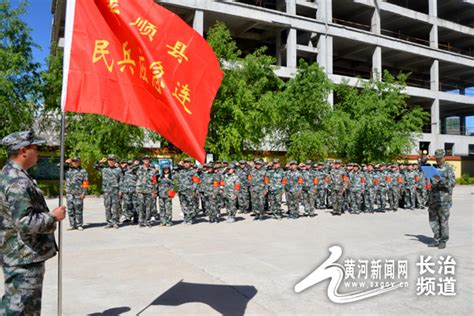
[
  {"x": 440, "y": 200},
  {"x": 26, "y": 227}
]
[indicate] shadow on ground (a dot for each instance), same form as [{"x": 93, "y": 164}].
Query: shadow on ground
[
  {"x": 421, "y": 238},
  {"x": 112, "y": 311},
  {"x": 224, "y": 299}
]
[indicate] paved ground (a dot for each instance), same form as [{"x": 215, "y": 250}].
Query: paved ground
[{"x": 251, "y": 267}]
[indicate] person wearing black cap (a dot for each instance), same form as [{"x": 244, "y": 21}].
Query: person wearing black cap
[
  {"x": 77, "y": 183},
  {"x": 27, "y": 227}
]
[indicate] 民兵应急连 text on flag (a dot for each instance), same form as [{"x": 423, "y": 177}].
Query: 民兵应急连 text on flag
[{"x": 138, "y": 63}]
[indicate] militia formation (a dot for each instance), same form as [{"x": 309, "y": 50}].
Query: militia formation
[{"x": 131, "y": 189}]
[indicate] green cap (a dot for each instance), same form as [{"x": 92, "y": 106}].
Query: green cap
[
  {"x": 439, "y": 153},
  {"x": 21, "y": 139}
]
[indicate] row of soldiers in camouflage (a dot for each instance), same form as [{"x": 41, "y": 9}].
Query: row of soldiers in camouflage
[{"x": 132, "y": 189}]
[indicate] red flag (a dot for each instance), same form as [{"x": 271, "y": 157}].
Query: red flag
[{"x": 140, "y": 64}]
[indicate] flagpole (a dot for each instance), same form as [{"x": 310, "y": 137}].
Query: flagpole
[{"x": 60, "y": 231}]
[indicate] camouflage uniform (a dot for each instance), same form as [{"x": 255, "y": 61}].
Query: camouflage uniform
[
  {"x": 258, "y": 189},
  {"x": 187, "y": 185},
  {"x": 210, "y": 186},
  {"x": 146, "y": 188},
  {"x": 440, "y": 201},
  {"x": 410, "y": 189},
  {"x": 26, "y": 233},
  {"x": 357, "y": 185},
  {"x": 393, "y": 190},
  {"x": 231, "y": 190},
  {"x": 379, "y": 190},
  {"x": 309, "y": 191},
  {"x": 369, "y": 191},
  {"x": 338, "y": 179},
  {"x": 111, "y": 178},
  {"x": 276, "y": 187},
  {"x": 165, "y": 186},
  {"x": 76, "y": 179},
  {"x": 128, "y": 187},
  {"x": 243, "y": 196},
  {"x": 293, "y": 191}
]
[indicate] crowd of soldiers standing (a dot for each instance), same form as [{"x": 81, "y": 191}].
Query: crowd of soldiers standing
[{"x": 132, "y": 189}]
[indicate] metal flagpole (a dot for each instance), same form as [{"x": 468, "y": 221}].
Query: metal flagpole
[{"x": 60, "y": 231}]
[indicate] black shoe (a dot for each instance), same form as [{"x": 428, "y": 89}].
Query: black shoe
[
  {"x": 433, "y": 244},
  {"x": 442, "y": 245}
]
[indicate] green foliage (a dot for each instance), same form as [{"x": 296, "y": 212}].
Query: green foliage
[
  {"x": 242, "y": 111},
  {"x": 465, "y": 179},
  {"x": 302, "y": 108},
  {"x": 19, "y": 79},
  {"x": 379, "y": 126}
]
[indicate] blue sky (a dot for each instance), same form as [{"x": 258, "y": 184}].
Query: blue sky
[{"x": 39, "y": 19}]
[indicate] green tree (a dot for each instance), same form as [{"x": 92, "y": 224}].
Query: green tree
[
  {"x": 378, "y": 124},
  {"x": 302, "y": 109},
  {"x": 19, "y": 77},
  {"x": 243, "y": 111}
]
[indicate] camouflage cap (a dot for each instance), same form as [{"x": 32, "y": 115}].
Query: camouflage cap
[
  {"x": 146, "y": 157},
  {"x": 75, "y": 158},
  {"x": 275, "y": 161},
  {"x": 225, "y": 162},
  {"x": 111, "y": 157},
  {"x": 258, "y": 161},
  {"x": 188, "y": 160},
  {"x": 308, "y": 162},
  {"x": 242, "y": 162},
  {"x": 231, "y": 166},
  {"x": 123, "y": 161},
  {"x": 130, "y": 162},
  {"x": 439, "y": 153},
  {"x": 337, "y": 161},
  {"x": 292, "y": 162},
  {"x": 21, "y": 139}
]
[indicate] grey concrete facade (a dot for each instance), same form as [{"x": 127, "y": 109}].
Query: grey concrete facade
[{"x": 355, "y": 40}]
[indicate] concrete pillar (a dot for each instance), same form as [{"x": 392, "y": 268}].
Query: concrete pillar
[
  {"x": 291, "y": 48},
  {"x": 291, "y": 58},
  {"x": 375, "y": 23},
  {"x": 198, "y": 21},
  {"x": 435, "y": 119},
  {"x": 278, "y": 48},
  {"x": 433, "y": 12},
  {"x": 434, "y": 75},
  {"x": 325, "y": 43},
  {"x": 377, "y": 63},
  {"x": 291, "y": 6}
]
